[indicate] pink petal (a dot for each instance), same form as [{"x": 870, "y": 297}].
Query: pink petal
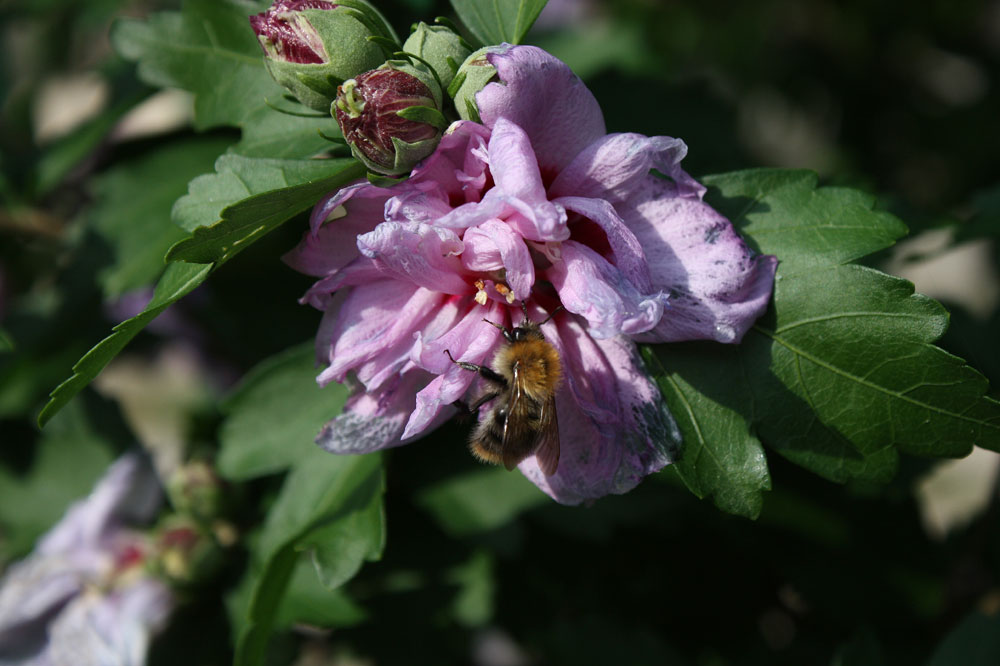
[
  {"x": 494, "y": 245},
  {"x": 626, "y": 251},
  {"x": 373, "y": 421},
  {"x": 372, "y": 320},
  {"x": 616, "y": 165},
  {"x": 718, "y": 287},
  {"x": 598, "y": 459},
  {"x": 458, "y": 165},
  {"x": 330, "y": 245},
  {"x": 471, "y": 340},
  {"x": 419, "y": 254},
  {"x": 470, "y": 333},
  {"x": 591, "y": 287},
  {"x": 360, "y": 271},
  {"x": 586, "y": 372},
  {"x": 542, "y": 95}
]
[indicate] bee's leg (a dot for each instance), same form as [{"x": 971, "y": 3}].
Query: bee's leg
[
  {"x": 468, "y": 410},
  {"x": 486, "y": 373}
]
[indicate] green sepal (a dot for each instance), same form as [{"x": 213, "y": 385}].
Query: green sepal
[
  {"x": 436, "y": 45},
  {"x": 476, "y": 72},
  {"x": 424, "y": 114}
]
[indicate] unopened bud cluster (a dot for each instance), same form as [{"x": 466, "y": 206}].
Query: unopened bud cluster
[{"x": 333, "y": 57}]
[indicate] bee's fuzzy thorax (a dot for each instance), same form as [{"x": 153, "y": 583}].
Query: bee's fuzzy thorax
[{"x": 538, "y": 362}]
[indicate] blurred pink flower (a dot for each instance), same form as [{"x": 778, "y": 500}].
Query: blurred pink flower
[
  {"x": 83, "y": 596},
  {"x": 536, "y": 204}
]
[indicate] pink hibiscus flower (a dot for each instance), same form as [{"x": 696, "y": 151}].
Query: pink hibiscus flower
[{"x": 536, "y": 205}]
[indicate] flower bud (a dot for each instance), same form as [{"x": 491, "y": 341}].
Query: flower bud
[
  {"x": 441, "y": 47},
  {"x": 391, "y": 116},
  {"x": 310, "y": 46},
  {"x": 472, "y": 77}
]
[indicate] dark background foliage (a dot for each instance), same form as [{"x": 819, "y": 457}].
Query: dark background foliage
[{"x": 900, "y": 99}]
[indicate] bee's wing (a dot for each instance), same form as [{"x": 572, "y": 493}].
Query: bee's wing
[
  {"x": 548, "y": 438},
  {"x": 519, "y": 431},
  {"x": 528, "y": 431}
]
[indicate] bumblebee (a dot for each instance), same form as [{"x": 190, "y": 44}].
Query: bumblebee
[{"x": 522, "y": 422}]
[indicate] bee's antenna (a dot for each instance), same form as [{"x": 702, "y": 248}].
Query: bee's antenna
[
  {"x": 524, "y": 309},
  {"x": 493, "y": 323},
  {"x": 551, "y": 315}
]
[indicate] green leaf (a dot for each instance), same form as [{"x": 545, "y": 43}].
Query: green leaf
[
  {"x": 177, "y": 281},
  {"x": 840, "y": 375},
  {"x": 975, "y": 642},
  {"x": 307, "y": 601},
  {"x": 248, "y": 197},
  {"x": 497, "y": 21},
  {"x": 782, "y": 212},
  {"x": 480, "y": 501},
  {"x": 321, "y": 492},
  {"x": 721, "y": 456},
  {"x": 275, "y": 414},
  {"x": 132, "y": 211},
  {"x": 209, "y": 49}
]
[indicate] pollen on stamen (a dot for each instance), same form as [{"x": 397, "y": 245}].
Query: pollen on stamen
[
  {"x": 480, "y": 291},
  {"x": 506, "y": 292}
]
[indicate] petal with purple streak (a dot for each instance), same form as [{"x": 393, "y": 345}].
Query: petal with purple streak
[
  {"x": 420, "y": 254},
  {"x": 718, "y": 286},
  {"x": 591, "y": 287},
  {"x": 626, "y": 251},
  {"x": 542, "y": 95},
  {"x": 599, "y": 460},
  {"x": 373, "y": 319},
  {"x": 616, "y": 165},
  {"x": 493, "y": 245},
  {"x": 472, "y": 341},
  {"x": 374, "y": 421}
]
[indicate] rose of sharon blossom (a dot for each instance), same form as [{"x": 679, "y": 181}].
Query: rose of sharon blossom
[
  {"x": 537, "y": 205},
  {"x": 83, "y": 596}
]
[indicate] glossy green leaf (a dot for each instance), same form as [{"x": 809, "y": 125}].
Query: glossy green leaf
[
  {"x": 497, "y": 21},
  {"x": 840, "y": 375},
  {"x": 177, "y": 281},
  {"x": 326, "y": 506},
  {"x": 275, "y": 414},
  {"x": 209, "y": 49},
  {"x": 132, "y": 210},
  {"x": 248, "y": 197},
  {"x": 721, "y": 455}
]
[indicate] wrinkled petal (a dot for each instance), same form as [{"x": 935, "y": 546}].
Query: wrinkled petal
[
  {"x": 373, "y": 421},
  {"x": 458, "y": 166},
  {"x": 360, "y": 271},
  {"x": 587, "y": 373},
  {"x": 29, "y": 592},
  {"x": 599, "y": 460},
  {"x": 421, "y": 254},
  {"x": 330, "y": 244},
  {"x": 540, "y": 94},
  {"x": 493, "y": 245},
  {"x": 718, "y": 286},
  {"x": 472, "y": 341},
  {"x": 128, "y": 492},
  {"x": 113, "y": 629},
  {"x": 626, "y": 251},
  {"x": 591, "y": 287},
  {"x": 615, "y": 166},
  {"x": 372, "y": 320}
]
